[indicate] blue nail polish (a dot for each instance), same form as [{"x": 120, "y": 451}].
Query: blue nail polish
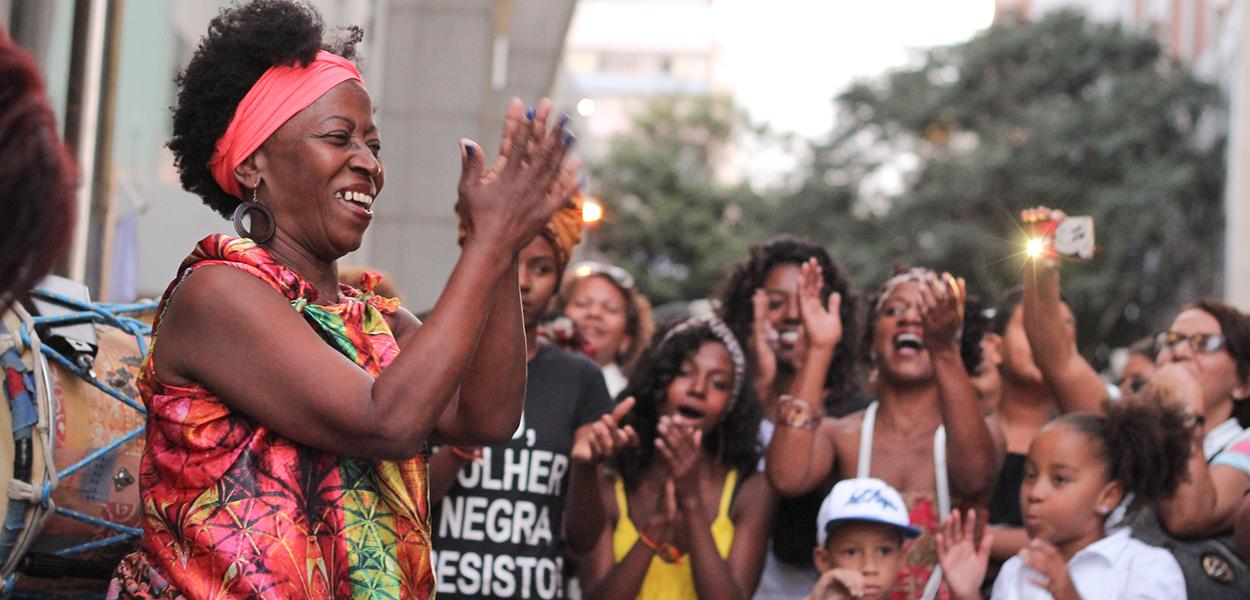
[
  {"x": 581, "y": 182},
  {"x": 468, "y": 150},
  {"x": 569, "y": 139},
  {"x": 529, "y": 113},
  {"x": 564, "y": 119}
]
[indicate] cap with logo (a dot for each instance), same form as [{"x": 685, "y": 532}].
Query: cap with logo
[{"x": 863, "y": 499}]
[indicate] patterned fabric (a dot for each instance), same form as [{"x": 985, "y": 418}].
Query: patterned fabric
[
  {"x": 919, "y": 554},
  {"x": 235, "y": 510}
]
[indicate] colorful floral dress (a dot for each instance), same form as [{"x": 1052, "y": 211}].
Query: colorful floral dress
[{"x": 235, "y": 510}]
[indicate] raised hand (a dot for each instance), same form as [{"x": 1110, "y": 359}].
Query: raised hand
[
  {"x": 763, "y": 338},
  {"x": 838, "y": 584},
  {"x": 679, "y": 443},
  {"x": 963, "y": 561},
  {"x": 660, "y": 528},
  {"x": 1175, "y": 383},
  {"x": 604, "y": 438},
  {"x": 823, "y": 324},
  {"x": 942, "y": 309},
  {"x": 1043, "y": 557},
  {"x": 510, "y": 202}
]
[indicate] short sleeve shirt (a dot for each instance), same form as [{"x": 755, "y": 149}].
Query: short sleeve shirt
[{"x": 497, "y": 531}]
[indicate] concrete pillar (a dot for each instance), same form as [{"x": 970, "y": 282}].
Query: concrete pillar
[{"x": 1237, "y": 196}]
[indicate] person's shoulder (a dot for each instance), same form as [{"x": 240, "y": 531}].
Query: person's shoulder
[
  {"x": 848, "y": 425},
  {"x": 567, "y": 361},
  {"x": 1152, "y": 568},
  {"x": 1236, "y": 454}
]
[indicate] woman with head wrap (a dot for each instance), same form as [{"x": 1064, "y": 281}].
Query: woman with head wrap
[
  {"x": 288, "y": 416},
  {"x": 508, "y": 513}
]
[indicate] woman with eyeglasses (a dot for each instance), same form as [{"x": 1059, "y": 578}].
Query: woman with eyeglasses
[
  {"x": 1204, "y": 364},
  {"x": 611, "y": 315},
  {"x": 1210, "y": 341}
]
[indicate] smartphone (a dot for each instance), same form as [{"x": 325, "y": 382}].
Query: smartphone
[{"x": 1073, "y": 237}]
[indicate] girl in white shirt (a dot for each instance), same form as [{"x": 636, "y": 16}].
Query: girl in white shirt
[{"x": 1079, "y": 468}]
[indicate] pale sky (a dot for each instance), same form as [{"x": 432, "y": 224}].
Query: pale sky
[{"x": 786, "y": 59}]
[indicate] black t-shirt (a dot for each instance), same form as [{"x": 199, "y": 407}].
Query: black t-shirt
[
  {"x": 497, "y": 531},
  {"x": 794, "y": 527}
]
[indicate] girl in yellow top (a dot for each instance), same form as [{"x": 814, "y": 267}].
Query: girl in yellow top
[{"x": 688, "y": 515}]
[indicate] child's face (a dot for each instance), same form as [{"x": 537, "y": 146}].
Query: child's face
[
  {"x": 874, "y": 550},
  {"x": 700, "y": 392},
  {"x": 1065, "y": 486}
]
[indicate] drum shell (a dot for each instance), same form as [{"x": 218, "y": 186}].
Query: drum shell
[{"x": 83, "y": 420}]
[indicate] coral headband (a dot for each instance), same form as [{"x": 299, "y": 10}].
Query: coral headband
[{"x": 280, "y": 93}]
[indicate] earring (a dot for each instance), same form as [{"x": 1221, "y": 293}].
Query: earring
[
  {"x": 1103, "y": 510},
  {"x": 241, "y": 213}
]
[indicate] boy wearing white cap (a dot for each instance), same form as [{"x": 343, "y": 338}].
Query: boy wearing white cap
[{"x": 859, "y": 535}]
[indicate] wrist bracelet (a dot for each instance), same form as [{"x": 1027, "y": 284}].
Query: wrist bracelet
[
  {"x": 468, "y": 453},
  {"x": 667, "y": 552},
  {"x": 795, "y": 412}
]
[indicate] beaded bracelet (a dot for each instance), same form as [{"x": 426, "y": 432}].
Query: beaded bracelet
[
  {"x": 667, "y": 552},
  {"x": 795, "y": 412}
]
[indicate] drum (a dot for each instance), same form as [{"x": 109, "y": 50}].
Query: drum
[{"x": 70, "y": 445}]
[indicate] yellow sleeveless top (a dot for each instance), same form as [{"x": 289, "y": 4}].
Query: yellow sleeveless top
[{"x": 668, "y": 580}]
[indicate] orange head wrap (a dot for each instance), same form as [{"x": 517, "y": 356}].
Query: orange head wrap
[{"x": 280, "y": 93}]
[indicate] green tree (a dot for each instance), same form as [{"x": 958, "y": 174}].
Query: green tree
[
  {"x": 932, "y": 165},
  {"x": 666, "y": 218}
]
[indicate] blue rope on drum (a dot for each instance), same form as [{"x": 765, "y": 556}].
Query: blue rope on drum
[{"x": 25, "y": 414}]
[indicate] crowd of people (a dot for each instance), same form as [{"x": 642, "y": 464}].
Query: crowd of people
[{"x": 535, "y": 435}]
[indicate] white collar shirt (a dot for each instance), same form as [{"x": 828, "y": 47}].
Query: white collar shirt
[{"x": 1117, "y": 567}]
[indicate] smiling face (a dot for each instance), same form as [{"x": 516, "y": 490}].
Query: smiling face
[
  {"x": 1065, "y": 486},
  {"x": 874, "y": 550},
  {"x": 320, "y": 172},
  {"x": 1216, "y": 371},
  {"x": 898, "y": 338},
  {"x": 782, "y": 288},
  {"x": 598, "y": 308},
  {"x": 701, "y": 389}
]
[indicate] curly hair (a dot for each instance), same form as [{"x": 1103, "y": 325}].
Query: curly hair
[
  {"x": 241, "y": 44},
  {"x": 1144, "y": 442},
  {"x": 734, "y": 441},
  {"x": 638, "y": 323},
  {"x": 37, "y": 175},
  {"x": 737, "y": 310}
]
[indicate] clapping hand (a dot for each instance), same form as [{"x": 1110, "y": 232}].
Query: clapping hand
[
  {"x": 822, "y": 323},
  {"x": 1043, "y": 557},
  {"x": 680, "y": 443},
  {"x": 942, "y": 309},
  {"x": 513, "y": 200},
  {"x": 604, "y": 438},
  {"x": 963, "y": 561},
  {"x": 763, "y": 338}
]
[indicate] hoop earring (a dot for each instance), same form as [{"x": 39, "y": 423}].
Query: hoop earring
[{"x": 253, "y": 206}]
